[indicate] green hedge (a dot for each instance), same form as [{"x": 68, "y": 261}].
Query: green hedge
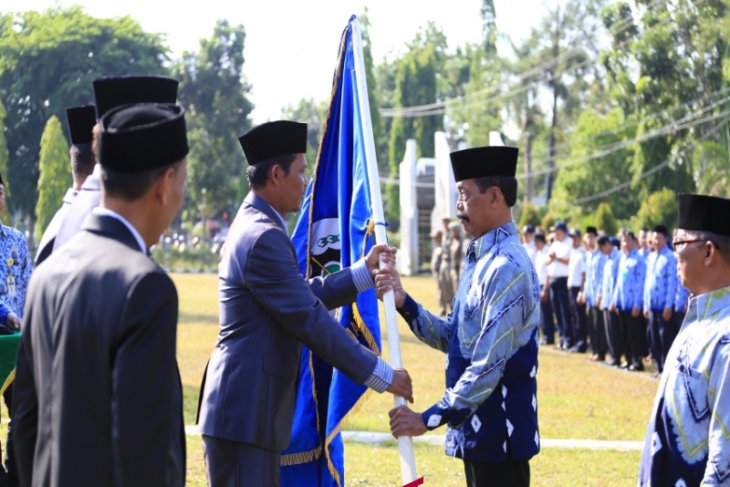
[{"x": 198, "y": 259}]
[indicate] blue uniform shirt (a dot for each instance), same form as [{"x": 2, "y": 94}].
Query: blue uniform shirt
[
  {"x": 687, "y": 442},
  {"x": 15, "y": 269},
  {"x": 629, "y": 289},
  {"x": 681, "y": 298},
  {"x": 661, "y": 280},
  {"x": 594, "y": 275},
  {"x": 608, "y": 279},
  {"x": 490, "y": 402}
]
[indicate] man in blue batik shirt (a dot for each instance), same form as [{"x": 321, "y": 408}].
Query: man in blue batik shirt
[
  {"x": 609, "y": 248},
  {"x": 628, "y": 303},
  {"x": 594, "y": 276},
  {"x": 687, "y": 441},
  {"x": 15, "y": 269},
  {"x": 490, "y": 402},
  {"x": 659, "y": 295}
]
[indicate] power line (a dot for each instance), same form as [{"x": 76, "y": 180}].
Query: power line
[
  {"x": 647, "y": 173},
  {"x": 686, "y": 122},
  {"x": 438, "y": 108}
]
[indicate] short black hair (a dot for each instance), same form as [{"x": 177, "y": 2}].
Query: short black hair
[
  {"x": 506, "y": 184},
  {"x": 661, "y": 229},
  {"x": 82, "y": 159},
  {"x": 258, "y": 173},
  {"x": 628, "y": 233},
  {"x": 603, "y": 240},
  {"x": 130, "y": 186},
  {"x": 540, "y": 237}
]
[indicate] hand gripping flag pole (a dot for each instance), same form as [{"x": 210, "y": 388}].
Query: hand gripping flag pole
[{"x": 405, "y": 443}]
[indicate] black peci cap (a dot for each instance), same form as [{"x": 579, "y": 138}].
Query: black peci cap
[
  {"x": 272, "y": 139},
  {"x": 703, "y": 213},
  {"x": 483, "y": 162},
  {"x": 81, "y": 121},
  {"x": 137, "y": 138},
  {"x": 115, "y": 91}
]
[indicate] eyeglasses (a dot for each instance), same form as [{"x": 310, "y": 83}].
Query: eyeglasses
[{"x": 679, "y": 245}]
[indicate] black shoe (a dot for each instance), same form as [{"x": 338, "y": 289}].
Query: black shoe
[
  {"x": 636, "y": 368},
  {"x": 614, "y": 363}
]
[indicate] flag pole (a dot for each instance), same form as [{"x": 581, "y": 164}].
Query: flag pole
[{"x": 405, "y": 443}]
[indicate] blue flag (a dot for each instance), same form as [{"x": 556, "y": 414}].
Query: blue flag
[{"x": 334, "y": 231}]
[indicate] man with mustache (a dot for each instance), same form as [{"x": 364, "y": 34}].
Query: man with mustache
[
  {"x": 267, "y": 311},
  {"x": 490, "y": 402}
]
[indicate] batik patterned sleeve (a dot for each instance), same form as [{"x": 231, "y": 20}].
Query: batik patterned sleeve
[
  {"x": 429, "y": 328},
  {"x": 509, "y": 315},
  {"x": 717, "y": 471},
  {"x": 26, "y": 269}
]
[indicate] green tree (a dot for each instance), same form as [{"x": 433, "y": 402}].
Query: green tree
[
  {"x": 415, "y": 84},
  {"x": 660, "y": 208},
  {"x": 530, "y": 215},
  {"x": 55, "y": 177},
  {"x": 213, "y": 91},
  {"x": 605, "y": 220},
  {"x": 47, "y": 63}
]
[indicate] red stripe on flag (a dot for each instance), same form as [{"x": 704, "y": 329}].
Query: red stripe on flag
[{"x": 415, "y": 483}]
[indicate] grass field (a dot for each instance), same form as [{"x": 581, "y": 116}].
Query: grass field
[{"x": 576, "y": 400}]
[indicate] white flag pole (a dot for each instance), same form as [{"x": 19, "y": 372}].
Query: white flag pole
[{"x": 405, "y": 443}]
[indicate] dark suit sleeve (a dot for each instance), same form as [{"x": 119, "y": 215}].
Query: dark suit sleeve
[
  {"x": 273, "y": 278},
  {"x": 145, "y": 385},
  {"x": 335, "y": 290},
  {"x": 25, "y": 409}
]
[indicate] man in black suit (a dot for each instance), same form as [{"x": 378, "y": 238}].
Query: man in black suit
[{"x": 98, "y": 398}]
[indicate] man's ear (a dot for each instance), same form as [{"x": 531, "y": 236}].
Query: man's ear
[{"x": 164, "y": 185}]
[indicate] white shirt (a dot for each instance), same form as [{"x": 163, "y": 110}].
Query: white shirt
[
  {"x": 107, "y": 212},
  {"x": 562, "y": 250},
  {"x": 531, "y": 251},
  {"x": 577, "y": 267},
  {"x": 541, "y": 257}
]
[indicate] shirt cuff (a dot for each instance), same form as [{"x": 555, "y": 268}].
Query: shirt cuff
[
  {"x": 361, "y": 276},
  {"x": 382, "y": 376},
  {"x": 436, "y": 416},
  {"x": 409, "y": 311}
]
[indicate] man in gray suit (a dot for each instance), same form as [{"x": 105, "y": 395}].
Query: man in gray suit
[{"x": 267, "y": 310}]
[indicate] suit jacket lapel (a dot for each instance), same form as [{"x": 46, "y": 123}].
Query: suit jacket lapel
[
  {"x": 261, "y": 205},
  {"x": 112, "y": 228}
]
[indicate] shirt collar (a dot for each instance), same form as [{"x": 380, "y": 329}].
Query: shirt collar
[
  {"x": 107, "y": 212},
  {"x": 709, "y": 304},
  {"x": 480, "y": 246}
]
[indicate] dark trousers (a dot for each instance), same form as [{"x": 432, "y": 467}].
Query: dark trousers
[
  {"x": 597, "y": 332},
  {"x": 235, "y": 464},
  {"x": 513, "y": 473},
  {"x": 9, "y": 472},
  {"x": 634, "y": 330},
  {"x": 614, "y": 336},
  {"x": 546, "y": 319},
  {"x": 561, "y": 304},
  {"x": 662, "y": 336},
  {"x": 580, "y": 326}
]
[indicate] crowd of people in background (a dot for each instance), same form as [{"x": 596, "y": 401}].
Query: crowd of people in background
[{"x": 615, "y": 295}]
